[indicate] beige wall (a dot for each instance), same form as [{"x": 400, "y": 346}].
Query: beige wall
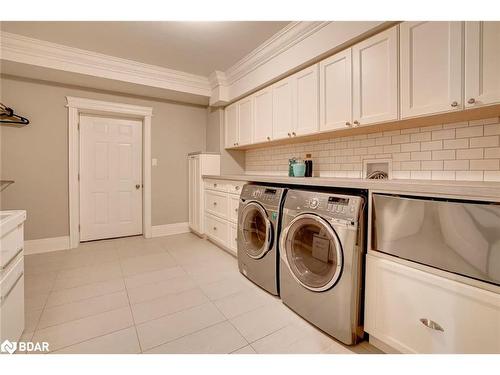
[
  {"x": 35, "y": 156},
  {"x": 231, "y": 162}
]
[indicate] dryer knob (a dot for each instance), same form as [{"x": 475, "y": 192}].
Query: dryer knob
[{"x": 314, "y": 203}]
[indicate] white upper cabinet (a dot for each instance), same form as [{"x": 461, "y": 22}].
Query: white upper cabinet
[
  {"x": 431, "y": 67},
  {"x": 375, "y": 79},
  {"x": 245, "y": 121},
  {"x": 482, "y": 63},
  {"x": 306, "y": 103},
  {"x": 231, "y": 125},
  {"x": 283, "y": 109},
  {"x": 263, "y": 115},
  {"x": 336, "y": 91}
]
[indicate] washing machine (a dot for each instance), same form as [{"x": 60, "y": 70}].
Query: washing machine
[
  {"x": 321, "y": 260},
  {"x": 258, "y": 233}
]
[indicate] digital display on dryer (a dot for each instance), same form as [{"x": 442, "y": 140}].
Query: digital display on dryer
[
  {"x": 270, "y": 191},
  {"x": 338, "y": 200}
]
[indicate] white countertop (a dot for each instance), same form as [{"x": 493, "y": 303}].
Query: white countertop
[{"x": 456, "y": 189}]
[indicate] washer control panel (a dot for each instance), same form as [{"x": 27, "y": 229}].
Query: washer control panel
[{"x": 263, "y": 194}]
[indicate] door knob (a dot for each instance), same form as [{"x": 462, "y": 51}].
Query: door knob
[
  {"x": 137, "y": 186},
  {"x": 454, "y": 104},
  {"x": 471, "y": 101}
]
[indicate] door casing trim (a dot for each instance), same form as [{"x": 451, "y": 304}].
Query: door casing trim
[{"x": 78, "y": 106}]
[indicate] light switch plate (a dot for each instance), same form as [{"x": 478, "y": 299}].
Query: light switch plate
[{"x": 154, "y": 162}]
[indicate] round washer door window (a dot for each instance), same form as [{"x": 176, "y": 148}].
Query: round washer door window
[
  {"x": 255, "y": 230},
  {"x": 313, "y": 252}
]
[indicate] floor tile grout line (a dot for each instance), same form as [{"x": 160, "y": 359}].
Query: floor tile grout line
[
  {"x": 131, "y": 312},
  {"x": 187, "y": 334}
]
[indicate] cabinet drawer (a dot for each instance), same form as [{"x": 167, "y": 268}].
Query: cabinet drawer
[
  {"x": 234, "y": 203},
  {"x": 233, "y": 238},
  {"x": 399, "y": 298},
  {"x": 11, "y": 244},
  {"x": 217, "y": 229},
  {"x": 216, "y": 203},
  {"x": 234, "y": 187},
  {"x": 12, "y": 303},
  {"x": 215, "y": 185}
]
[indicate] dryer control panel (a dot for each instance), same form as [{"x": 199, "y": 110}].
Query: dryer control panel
[{"x": 337, "y": 206}]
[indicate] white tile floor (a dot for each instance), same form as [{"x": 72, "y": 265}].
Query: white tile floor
[{"x": 176, "y": 294}]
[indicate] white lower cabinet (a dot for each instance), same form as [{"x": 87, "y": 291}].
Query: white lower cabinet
[
  {"x": 413, "y": 311},
  {"x": 222, "y": 199}
]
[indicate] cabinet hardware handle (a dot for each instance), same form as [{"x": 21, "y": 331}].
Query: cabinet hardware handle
[
  {"x": 215, "y": 185},
  {"x": 237, "y": 187},
  {"x": 234, "y": 144},
  {"x": 293, "y": 133},
  {"x": 268, "y": 138},
  {"x": 356, "y": 123},
  {"x": 471, "y": 101},
  {"x": 454, "y": 104},
  {"x": 215, "y": 203},
  {"x": 6, "y": 265},
  {"x": 348, "y": 124},
  {"x": 431, "y": 324},
  {"x": 235, "y": 210},
  {"x": 289, "y": 135},
  {"x": 137, "y": 186},
  {"x": 215, "y": 228}
]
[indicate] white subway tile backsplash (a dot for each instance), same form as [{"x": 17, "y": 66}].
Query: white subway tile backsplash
[
  {"x": 431, "y": 145},
  {"x": 443, "y": 134},
  {"x": 443, "y": 175},
  {"x": 470, "y": 153},
  {"x": 489, "y": 141},
  {"x": 484, "y": 165},
  {"x": 467, "y": 150}
]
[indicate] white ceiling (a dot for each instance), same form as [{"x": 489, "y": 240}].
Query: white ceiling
[{"x": 193, "y": 47}]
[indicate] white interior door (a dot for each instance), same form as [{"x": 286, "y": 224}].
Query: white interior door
[{"x": 110, "y": 178}]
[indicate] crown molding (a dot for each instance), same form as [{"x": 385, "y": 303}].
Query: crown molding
[
  {"x": 283, "y": 40},
  {"x": 37, "y": 52},
  {"x": 99, "y": 105}
]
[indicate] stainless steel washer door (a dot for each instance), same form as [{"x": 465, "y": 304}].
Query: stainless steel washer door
[
  {"x": 312, "y": 251},
  {"x": 255, "y": 230}
]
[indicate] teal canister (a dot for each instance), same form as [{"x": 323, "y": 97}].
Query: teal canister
[{"x": 299, "y": 169}]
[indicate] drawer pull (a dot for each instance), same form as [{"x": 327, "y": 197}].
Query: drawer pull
[
  {"x": 215, "y": 228},
  {"x": 431, "y": 324},
  {"x": 11, "y": 259},
  {"x": 215, "y": 185},
  {"x": 237, "y": 188},
  {"x": 235, "y": 210},
  {"x": 215, "y": 203},
  {"x": 4, "y": 297}
]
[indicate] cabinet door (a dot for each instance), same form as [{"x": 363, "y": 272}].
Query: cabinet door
[
  {"x": 283, "y": 109},
  {"x": 231, "y": 125},
  {"x": 431, "y": 67},
  {"x": 306, "y": 101},
  {"x": 245, "y": 121},
  {"x": 263, "y": 118},
  {"x": 335, "y": 79},
  {"x": 375, "y": 79},
  {"x": 482, "y": 63}
]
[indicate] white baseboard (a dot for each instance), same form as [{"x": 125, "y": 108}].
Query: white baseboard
[
  {"x": 169, "y": 229},
  {"x": 46, "y": 245}
]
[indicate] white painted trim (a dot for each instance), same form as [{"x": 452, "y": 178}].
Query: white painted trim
[
  {"x": 46, "y": 245},
  {"x": 170, "y": 229},
  {"x": 38, "y": 52},
  {"x": 283, "y": 40},
  {"x": 78, "y": 106}
]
